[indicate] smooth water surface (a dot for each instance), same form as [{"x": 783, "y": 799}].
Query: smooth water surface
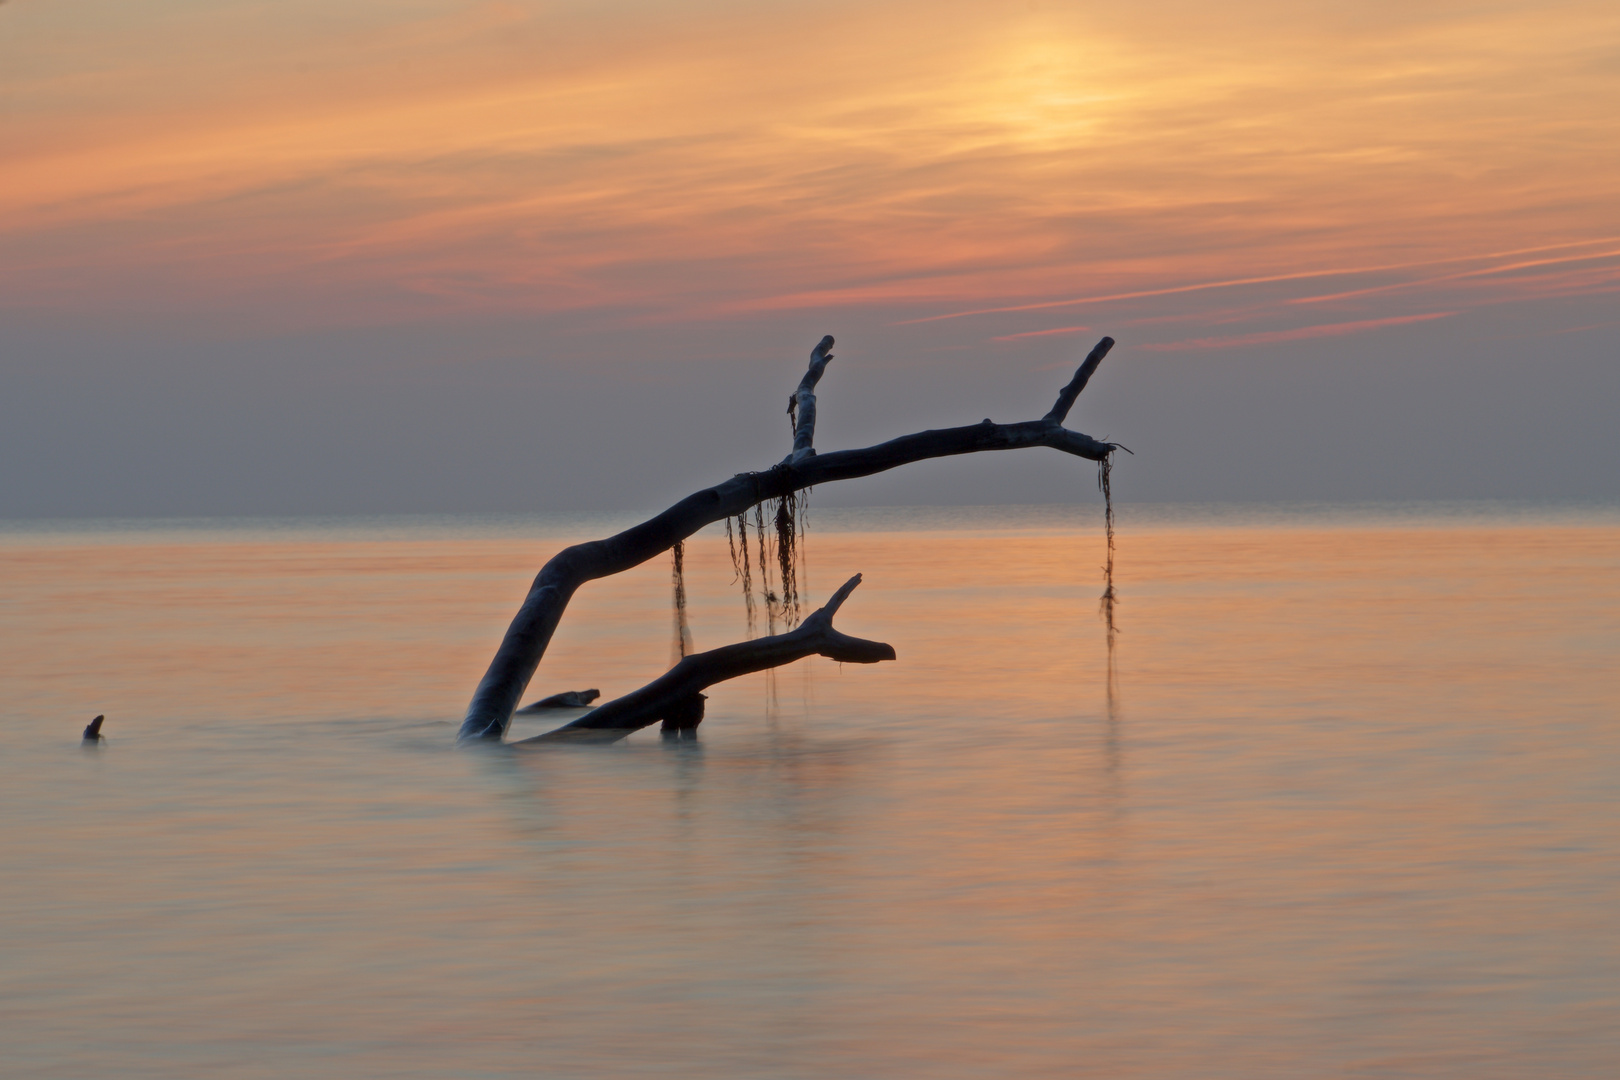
[{"x": 1351, "y": 808}]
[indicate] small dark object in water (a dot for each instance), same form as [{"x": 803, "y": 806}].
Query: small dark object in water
[
  {"x": 569, "y": 699},
  {"x": 682, "y": 718},
  {"x": 92, "y": 733}
]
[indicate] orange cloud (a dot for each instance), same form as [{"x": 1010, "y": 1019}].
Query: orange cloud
[{"x": 936, "y": 161}]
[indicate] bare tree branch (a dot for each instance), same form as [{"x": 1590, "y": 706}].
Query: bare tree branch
[
  {"x": 802, "y": 404},
  {"x": 687, "y": 679},
  {"x": 1068, "y": 395}
]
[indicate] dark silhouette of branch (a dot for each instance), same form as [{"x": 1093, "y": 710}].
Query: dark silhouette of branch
[
  {"x": 503, "y": 684},
  {"x": 671, "y": 696}
]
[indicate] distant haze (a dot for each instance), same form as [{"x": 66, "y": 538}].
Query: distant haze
[{"x": 360, "y": 257}]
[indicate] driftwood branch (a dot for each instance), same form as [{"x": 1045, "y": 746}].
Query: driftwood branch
[
  {"x": 1069, "y": 394},
  {"x": 675, "y": 690},
  {"x": 802, "y": 404},
  {"x": 503, "y": 684}
]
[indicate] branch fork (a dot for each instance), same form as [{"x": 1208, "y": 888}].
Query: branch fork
[{"x": 674, "y": 696}]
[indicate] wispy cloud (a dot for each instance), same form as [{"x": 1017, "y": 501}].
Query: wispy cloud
[
  {"x": 1043, "y": 333},
  {"x": 1467, "y": 275},
  {"x": 1300, "y": 333},
  {"x": 1306, "y": 275}
]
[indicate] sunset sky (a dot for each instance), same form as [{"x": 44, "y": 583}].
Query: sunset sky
[{"x": 427, "y": 255}]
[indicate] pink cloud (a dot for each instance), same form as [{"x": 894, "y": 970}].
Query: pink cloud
[
  {"x": 1299, "y": 333},
  {"x": 1043, "y": 333}
]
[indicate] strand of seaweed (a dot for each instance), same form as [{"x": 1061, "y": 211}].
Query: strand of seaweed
[
  {"x": 1105, "y": 606},
  {"x": 742, "y": 571},
  {"x": 682, "y": 643},
  {"x": 801, "y": 585}
]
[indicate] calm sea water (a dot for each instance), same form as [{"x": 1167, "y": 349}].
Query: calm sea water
[{"x": 1350, "y": 807}]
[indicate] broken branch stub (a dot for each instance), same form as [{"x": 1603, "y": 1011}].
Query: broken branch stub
[
  {"x": 802, "y": 403},
  {"x": 676, "y": 693},
  {"x": 503, "y": 684},
  {"x": 1068, "y": 395}
]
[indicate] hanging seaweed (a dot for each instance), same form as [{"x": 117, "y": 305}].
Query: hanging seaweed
[
  {"x": 1105, "y": 606},
  {"x": 769, "y": 595},
  {"x": 739, "y": 565},
  {"x": 787, "y": 515},
  {"x": 682, "y": 637},
  {"x": 801, "y": 584}
]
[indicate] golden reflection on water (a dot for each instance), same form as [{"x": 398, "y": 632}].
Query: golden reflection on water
[{"x": 1351, "y": 810}]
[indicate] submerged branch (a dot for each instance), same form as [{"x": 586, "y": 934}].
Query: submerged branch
[{"x": 674, "y": 693}]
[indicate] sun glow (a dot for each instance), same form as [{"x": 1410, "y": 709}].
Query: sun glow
[{"x": 920, "y": 158}]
